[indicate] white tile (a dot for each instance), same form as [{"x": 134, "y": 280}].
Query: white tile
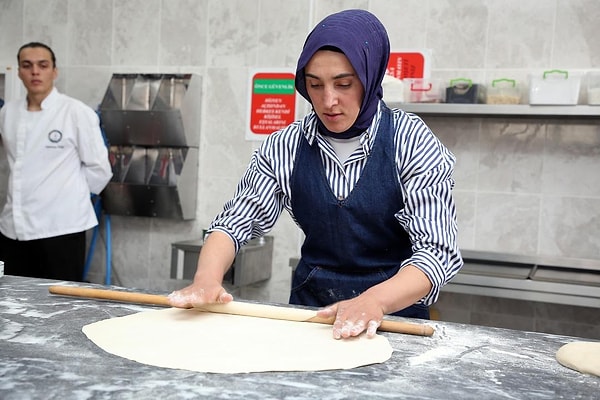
[
  {"x": 233, "y": 38},
  {"x": 511, "y": 157},
  {"x": 183, "y": 32},
  {"x": 282, "y": 28},
  {"x": 46, "y": 21},
  {"x": 90, "y": 33},
  {"x": 571, "y": 227},
  {"x": 520, "y": 34},
  {"x": 457, "y": 33},
  {"x": 571, "y": 161},
  {"x": 507, "y": 223},
  {"x": 136, "y": 39},
  {"x": 11, "y": 27},
  {"x": 406, "y": 22},
  {"x": 576, "y": 42}
]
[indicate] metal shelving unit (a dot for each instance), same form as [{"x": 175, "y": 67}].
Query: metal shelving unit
[
  {"x": 500, "y": 110},
  {"x": 553, "y": 280},
  {"x": 152, "y": 124},
  {"x": 547, "y": 279}
]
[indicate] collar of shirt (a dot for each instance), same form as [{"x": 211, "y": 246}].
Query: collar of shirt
[
  {"x": 367, "y": 138},
  {"x": 51, "y": 99},
  {"x": 48, "y": 102}
]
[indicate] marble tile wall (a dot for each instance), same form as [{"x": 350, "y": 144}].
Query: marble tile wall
[{"x": 522, "y": 186}]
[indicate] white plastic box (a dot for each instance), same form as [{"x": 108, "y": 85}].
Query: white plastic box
[
  {"x": 554, "y": 87},
  {"x": 393, "y": 89}
]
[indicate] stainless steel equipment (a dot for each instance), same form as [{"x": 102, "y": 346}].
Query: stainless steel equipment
[
  {"x": 546, "y": 279},
  {"x": 252, "y": 264},
  {"x": 152, "y": 122}
]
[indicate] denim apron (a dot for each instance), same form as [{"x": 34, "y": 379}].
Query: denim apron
[{"x": 354, "y": 243}]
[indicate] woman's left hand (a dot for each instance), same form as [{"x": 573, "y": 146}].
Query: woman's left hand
[{"x": 353, "y": 317}]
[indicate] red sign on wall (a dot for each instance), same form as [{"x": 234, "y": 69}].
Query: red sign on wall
[
  {"x": 273, "y": 102},
  {"x": 407, "y": 65}
]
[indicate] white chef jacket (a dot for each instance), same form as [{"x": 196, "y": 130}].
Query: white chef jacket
[{"x": 57, "y": 157}]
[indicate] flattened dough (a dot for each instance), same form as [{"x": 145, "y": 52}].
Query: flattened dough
[
  {"x": 580, "y": 356},
  {"x": 222, "y": 343}
]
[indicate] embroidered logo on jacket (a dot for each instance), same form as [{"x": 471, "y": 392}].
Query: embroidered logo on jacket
[{"x": 55, "y": 136}]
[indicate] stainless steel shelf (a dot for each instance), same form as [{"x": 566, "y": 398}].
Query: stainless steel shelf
[
  {"x": 500, "y": 110},
  {"x": 526, "y": 290},
  {"x": 558, "y": 280},
  {"x": 545, "y": 279}
]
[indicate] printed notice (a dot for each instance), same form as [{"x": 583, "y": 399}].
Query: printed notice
[
  {"x": 409, "y": 64},
  {"x": 272, "y": 103}
]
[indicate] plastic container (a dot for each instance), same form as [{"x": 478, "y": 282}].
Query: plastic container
[
  {"x": 554, "y": 87},
  {"x": 503, "y": 91},
  {"x": 593, "y": 88},
  {"x": 393, "y": 89},
  {"x": 418, "y": 90},
  {"x": 462, "y": 90}
]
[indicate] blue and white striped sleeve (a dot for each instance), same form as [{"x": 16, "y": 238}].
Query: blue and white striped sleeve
[
  {"x": 262, "y": 192},
  {"x": 429, "y": 214}
]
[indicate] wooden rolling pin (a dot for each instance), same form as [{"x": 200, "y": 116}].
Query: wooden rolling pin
[{"x": 234, "y": 307}]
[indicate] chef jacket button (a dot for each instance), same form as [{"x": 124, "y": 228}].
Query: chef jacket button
[{"x": 340, "y": 198}]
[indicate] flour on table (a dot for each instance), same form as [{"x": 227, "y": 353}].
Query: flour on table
[{"x": 222, "y": 343}]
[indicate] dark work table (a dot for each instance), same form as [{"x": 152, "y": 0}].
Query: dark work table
[{"x": 45, "y": 355}]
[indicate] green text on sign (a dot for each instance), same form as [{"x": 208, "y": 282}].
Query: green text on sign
[{"x": 274, "y": 86}]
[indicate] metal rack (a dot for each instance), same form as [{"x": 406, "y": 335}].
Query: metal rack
[
  {"x": 152, "y": 124},
  {"x": 547, "y": 279}
]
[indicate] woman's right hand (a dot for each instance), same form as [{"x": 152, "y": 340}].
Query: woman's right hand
[
  {"x": 216, "y": 256},
  {"x": 199, "y": 293}
]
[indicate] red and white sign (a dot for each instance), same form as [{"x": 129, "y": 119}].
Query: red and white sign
[
  {"x": 409, "y": 64},
  {"x": 272, "y": 103}
]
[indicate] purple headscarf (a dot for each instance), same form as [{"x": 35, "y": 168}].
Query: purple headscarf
[{"x": 364, "y": 41}]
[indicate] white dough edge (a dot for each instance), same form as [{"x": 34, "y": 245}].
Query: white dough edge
[{"x": 580, "y": 356}]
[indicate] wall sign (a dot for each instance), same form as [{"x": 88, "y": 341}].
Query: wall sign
[
  {"x": 409, "y": 64},
  {"x": 272, "y": 103}
]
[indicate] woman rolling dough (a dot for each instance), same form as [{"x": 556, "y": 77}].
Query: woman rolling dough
[{"x": 370, "y": 187}]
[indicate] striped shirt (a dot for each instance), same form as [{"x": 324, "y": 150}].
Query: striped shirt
[{"x": 425, "y": 168}]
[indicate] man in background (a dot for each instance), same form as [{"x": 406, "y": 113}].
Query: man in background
[{"x": 56, "y": 157}]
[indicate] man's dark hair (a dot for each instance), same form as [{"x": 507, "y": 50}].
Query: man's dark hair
[{"x": 34, "y": 45}]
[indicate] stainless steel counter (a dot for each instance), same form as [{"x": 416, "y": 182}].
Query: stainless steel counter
[
  {"x": 558, "y": 280},
  {"x": 44, "y": 354}
]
